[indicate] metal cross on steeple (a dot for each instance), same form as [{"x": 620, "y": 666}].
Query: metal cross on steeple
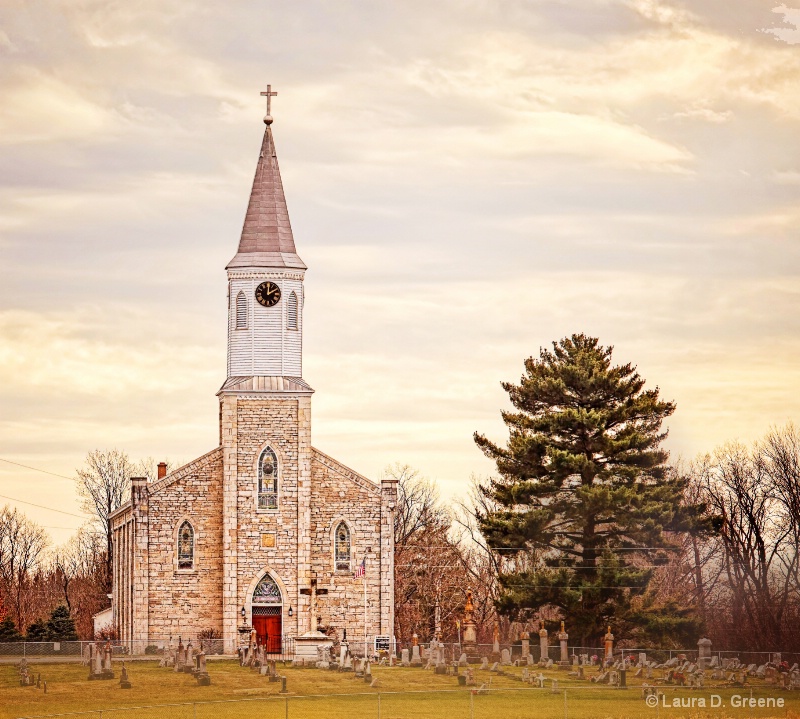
[{"x": 269, "y": 95}]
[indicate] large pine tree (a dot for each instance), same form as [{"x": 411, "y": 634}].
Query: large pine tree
[{"x": 584, "y": 495}]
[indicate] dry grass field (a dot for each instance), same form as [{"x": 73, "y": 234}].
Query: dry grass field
[{"x": 237, "y": 693}]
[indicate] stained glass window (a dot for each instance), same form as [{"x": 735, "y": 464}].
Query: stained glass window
[
  {"x": 342, "y": 547},
  {"x": 268, "y": 480},
  {"x": 186, "y": 546},
  {"x": 267, "y": 591}
]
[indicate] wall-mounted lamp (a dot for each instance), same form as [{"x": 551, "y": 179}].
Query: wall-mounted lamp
[
  {"x": 244, "y": 613},
  {"x": 291, "y": 612}
]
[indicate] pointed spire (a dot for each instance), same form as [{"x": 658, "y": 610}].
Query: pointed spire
[{"x": 267, "y": 239}]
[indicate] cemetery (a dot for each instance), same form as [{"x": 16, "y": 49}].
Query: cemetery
[{"x": 521, "y": 679}]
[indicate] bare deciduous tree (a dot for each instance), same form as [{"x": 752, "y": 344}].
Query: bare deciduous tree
[
  {"x": 104, "y": 485},
  {"x": 22, "y": 547}
]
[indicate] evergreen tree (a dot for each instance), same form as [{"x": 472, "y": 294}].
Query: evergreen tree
[
  {"x": 8, "y": 630},
  {"x": 60, "y": 626},
  {"x": 37, "y": 632},
  {"x": 583, "y": 497}
]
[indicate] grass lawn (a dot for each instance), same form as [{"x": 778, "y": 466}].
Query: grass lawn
[{"x": 237, "y": 693}]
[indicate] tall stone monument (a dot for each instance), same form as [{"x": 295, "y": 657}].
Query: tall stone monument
[
  {"x": 562, "y": 640},
  {"x": 544, "y": 651},
  {"x": 608, "y": 639}
]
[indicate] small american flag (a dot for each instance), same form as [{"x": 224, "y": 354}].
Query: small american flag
[{"x": 360, "y": 569}]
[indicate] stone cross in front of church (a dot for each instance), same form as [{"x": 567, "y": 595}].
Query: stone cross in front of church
[{"x": 313, "y": 591}]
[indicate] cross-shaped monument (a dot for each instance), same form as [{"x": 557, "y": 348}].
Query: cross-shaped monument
[{"x": 314, "y": 591}]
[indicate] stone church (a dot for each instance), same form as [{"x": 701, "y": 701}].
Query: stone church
[{"x": 264, "y": 532}]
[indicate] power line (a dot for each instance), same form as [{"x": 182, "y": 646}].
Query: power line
[
  {"x": 36, "y": 469},
  {"x": 41, "y": 506}
]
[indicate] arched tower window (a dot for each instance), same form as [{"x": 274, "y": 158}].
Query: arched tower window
[
  {"x": 268, "y": 480},
  {"x": 341, "y": 549},
  {"x": 241, "y": 311},
  {"x": 291, "y": 311},
  {"x": 186, "y": 546}
]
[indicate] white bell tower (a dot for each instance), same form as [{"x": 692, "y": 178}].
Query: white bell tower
[{"x": 265, "y": 282}]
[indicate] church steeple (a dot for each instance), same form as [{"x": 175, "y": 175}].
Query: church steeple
[
  {"x": 265, "y": 288},
  {"x": 267, "y": 239}
]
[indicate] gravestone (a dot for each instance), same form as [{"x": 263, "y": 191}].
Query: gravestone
[
  {"x": 484, "y": 662},
  {"x": 540, "y": 681},
  {"x": 462, "y": 660},
  {"x": 180, "y": 657},
  {"x": 554, "y": 687},
  {"x": 704, "y": 653},
  {"x": 416, "y": 660},
  {"x": 368, "y": 674},
  {"x": 562, "y": 640},
  {"x": 543, "y": 643},
  {"x": 323, "y": 657},
  {"x": 107, "y": 672},
  {"x": 404, "y": 658},
  {"x": 25, "y": 679},
  {"x": 608, "y": 641},
  {"x": 526, "y": 645},
  {"x": 124, "y": 682},
  {"x": 505, "y": 659},
  {"x": 494, "y": 667}
]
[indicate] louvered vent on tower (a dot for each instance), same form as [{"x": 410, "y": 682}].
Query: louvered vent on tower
[
  {"x": 241, "y": 311},
  {"x": 291, "y": 312}
]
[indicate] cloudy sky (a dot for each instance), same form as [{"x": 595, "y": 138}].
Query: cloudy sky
[{"x": 467, "y": 182}]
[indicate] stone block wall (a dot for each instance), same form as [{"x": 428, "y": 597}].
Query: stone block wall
[
  {"x": 280, "y": 423},
  {"x": 338, "y": 493},
  {"x": 185, "y": 602}
]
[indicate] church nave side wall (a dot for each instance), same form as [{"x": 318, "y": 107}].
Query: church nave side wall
[
  {"x": 335, "y": 496},
  {"x": 184, "y": 602}
]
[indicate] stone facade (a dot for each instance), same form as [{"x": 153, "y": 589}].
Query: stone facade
[{"x": 190, "y": 548}]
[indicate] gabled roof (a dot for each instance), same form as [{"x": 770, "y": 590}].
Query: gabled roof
[{"x": 267, "y": 239}]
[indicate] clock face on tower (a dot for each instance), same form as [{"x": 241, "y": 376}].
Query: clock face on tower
[{"x": 268, "y": 294}]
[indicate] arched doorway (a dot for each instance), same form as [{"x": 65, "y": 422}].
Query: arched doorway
[{"x": 267, "y": 607}]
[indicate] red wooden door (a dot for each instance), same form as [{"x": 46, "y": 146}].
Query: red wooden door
[{"x": 269, "y": 631}]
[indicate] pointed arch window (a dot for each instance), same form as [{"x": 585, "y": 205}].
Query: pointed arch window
[
  {"x": 341, "y": 548},
  {"x": 241, "y": 311},
  {"x": 268, "y": 480},
  {"x": 267, "y": 591},
  {"x": 291, "y": 311},
  {"x": 186, "y": 546}
]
